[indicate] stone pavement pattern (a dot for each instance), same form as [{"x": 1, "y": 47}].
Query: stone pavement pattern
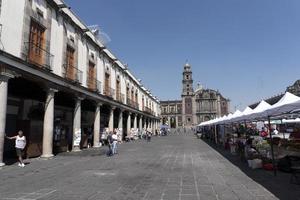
[{"x": 168, "y": 168}]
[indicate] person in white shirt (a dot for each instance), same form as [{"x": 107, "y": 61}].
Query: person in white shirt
[
  {"x": 114, "y": 143},
  {"x": 20, "y": 146}
]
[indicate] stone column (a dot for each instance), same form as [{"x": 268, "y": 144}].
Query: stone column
[
  {"x": 145, "y": 123},
  {"x": 3, "y": 106},
  {"x": 176, "y": 121},
  {"x": 120, "y": 122},
  {"x": 48, "y": 125},
  {"x": 97, "y": 125},
  {"x": 128, "y": 123},
  {"x": 153, "y": 127},
  {"x": 77, "y": 125},
  {"x": 141, "y": 123},
  {"x": 111, "y": 119},
  {"x": 169, "y": 121},
  {"x": 135, "y": 122}
]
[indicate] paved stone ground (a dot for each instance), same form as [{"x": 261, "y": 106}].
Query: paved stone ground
[{"x": 168, "y": 168}]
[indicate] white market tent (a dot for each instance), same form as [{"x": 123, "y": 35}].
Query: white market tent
[
  {"x": 261, "y": 107},
  {"x": 235, "y": 115},
  {"x": 288, "y": 103},
  {"x": 247, "y": 111}
]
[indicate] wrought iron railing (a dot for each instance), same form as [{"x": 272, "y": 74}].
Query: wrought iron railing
[
  {"x": 108, "y": 91},
  {"x": 72, "y": 73},
  {"x": 206, "y": 111},
  {"x": 129, "y": 102},
  {"x": 37, "y": 55},
  {"x": 93, "y": 84},
  {"x": 120, "y": 97},
  {"x": 148, "y": 110}
]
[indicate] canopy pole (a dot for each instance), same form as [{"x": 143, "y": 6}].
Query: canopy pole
[
  {"x": 245, "y": 124},
  {"x": 272, "y": 149}
]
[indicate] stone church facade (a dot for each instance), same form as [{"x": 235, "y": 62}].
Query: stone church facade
[{"x": 195, "y": 106}]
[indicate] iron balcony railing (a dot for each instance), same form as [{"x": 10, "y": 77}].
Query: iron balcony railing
[
  {"x": 132, "y": 103},
  {"x": 129, "y": 102},
  {"x": 37, "y": 55},
  {"x": 148, "y": 110},
  {"x": 171, "y": 112},
  {"x": 120, "y": 97},
  {"x": 108, "y": 91},
  {"x": 206, "y": 111},
  {"x": 136, "y": 104},
  {"x": 93, "y": 84},
  {"x": 72, "y": 73}
]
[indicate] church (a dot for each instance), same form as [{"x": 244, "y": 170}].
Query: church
[{"x": 195, "y": 106}]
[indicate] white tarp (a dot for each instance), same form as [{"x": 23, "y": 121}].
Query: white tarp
[
  {"x": 261, "y": 107},
  {"x": 235, "y": 114},
  {"x": 286, "y": 104},
  {"x": 247, "y": 111}
]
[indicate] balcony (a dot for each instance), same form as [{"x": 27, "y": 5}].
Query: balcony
[
  {"x": 201, "y": 111},
  {"x": 120, "y": 97},
  {"x": 136, "y": 105},
  {"x": 129, "y": 102},
  {"x": 93, "y": 84},
  {"x": 36, "y": 55},
  {"x": 108, "y": 91},
  {"x": 72, "y": 73},
  {"x": 148, "y": 110}
]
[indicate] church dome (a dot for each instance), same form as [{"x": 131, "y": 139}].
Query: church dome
[{"x": 187, "y": 65}]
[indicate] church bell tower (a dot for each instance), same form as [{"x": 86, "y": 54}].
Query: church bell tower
[{"x": 187, "y": 95}]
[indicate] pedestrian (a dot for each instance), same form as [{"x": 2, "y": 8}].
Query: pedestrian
[
  {"x": 148, "y": 136},
  {"x": 20, "y": 143},
  {"x": 109, "y": 144},
  {"x": 114, "y": 142}
]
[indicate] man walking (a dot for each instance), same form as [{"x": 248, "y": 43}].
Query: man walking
[{"x": 109, "y": 143}]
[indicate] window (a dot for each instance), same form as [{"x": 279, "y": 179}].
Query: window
[
  {"x": 187, "y": 77},
  {"x": 36, "y": 43},
  {"x": 70, "y": 71},
  {"x": 91, "y": 76},
  {"x": 107, "y": 85},
  {"x": 189, "y": 119},
  {"x": 118, "y": 90}
]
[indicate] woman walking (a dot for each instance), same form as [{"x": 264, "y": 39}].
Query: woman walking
[{"x": 20, "y": 145}]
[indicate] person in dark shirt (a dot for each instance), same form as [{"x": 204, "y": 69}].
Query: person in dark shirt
[{"x": 110, "y": 143}]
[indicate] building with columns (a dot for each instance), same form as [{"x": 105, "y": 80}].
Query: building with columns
[
  {"x": 59, "y": 83},
  {"x": 195, "y": 106}
]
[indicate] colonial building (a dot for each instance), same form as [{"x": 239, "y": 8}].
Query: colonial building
[
  {"x": 195, "y": 106},
  {"x": 58, "y": 82}
]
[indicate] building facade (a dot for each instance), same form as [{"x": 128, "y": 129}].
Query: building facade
[
  {"x": 59, "y": 82},
  {"x": 195, "y": 106}
]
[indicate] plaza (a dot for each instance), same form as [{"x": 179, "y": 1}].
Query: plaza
[{"x": 177, "y": 166}]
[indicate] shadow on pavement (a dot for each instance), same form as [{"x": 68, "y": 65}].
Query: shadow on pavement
[
  {"x": 279, "y": 185},
  {"x": 86, "y": 152}
]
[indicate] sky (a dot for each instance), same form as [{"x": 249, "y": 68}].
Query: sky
[{"x": 249, "y": 50}]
